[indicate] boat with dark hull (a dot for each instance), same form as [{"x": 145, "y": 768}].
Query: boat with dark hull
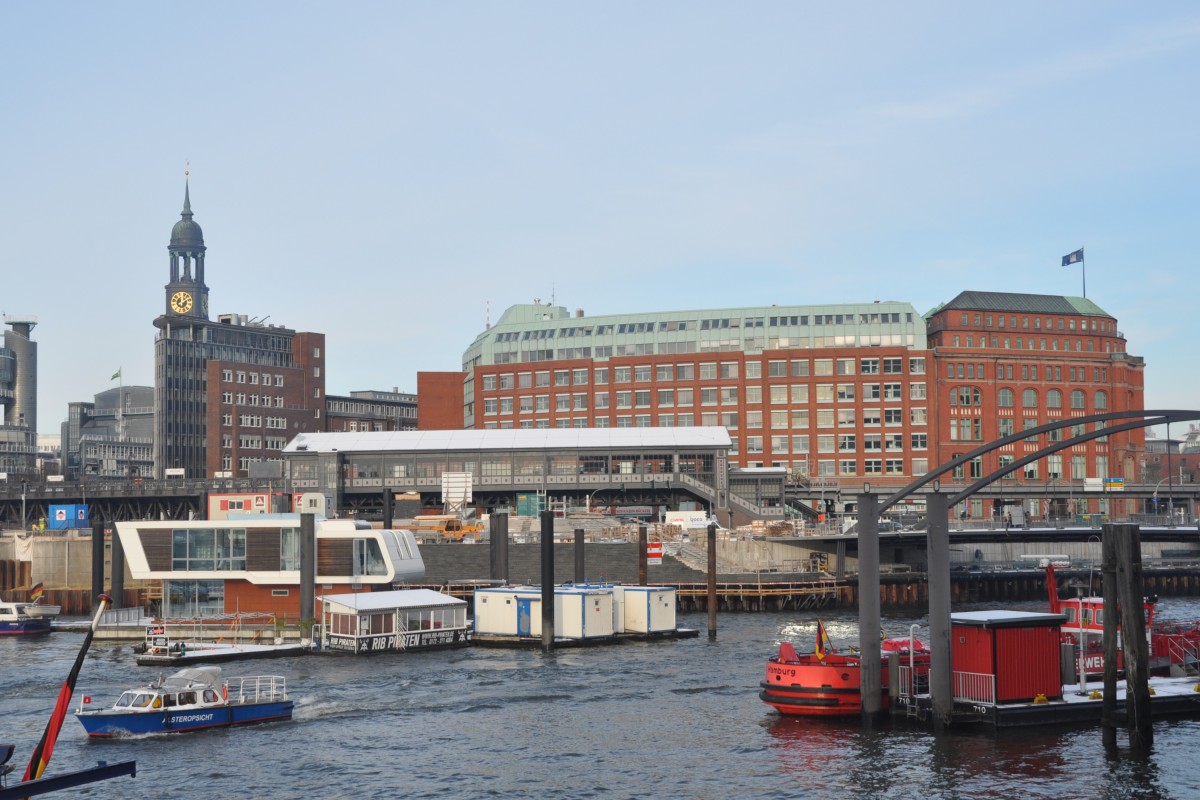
[
  {"x": 15, "y": 620},
  {"x": 192, "y": 699}
]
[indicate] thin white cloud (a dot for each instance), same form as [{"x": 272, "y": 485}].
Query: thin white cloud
[{"x": 1139, "y": 44}]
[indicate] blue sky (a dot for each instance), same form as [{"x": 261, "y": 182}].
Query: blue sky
[{"x": 382, "y": 173}]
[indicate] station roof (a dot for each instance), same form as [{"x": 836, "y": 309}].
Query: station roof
[{"x": 510, "y": 439}]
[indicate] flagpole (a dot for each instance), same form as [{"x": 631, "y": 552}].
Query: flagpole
[
  {"x": 45, "y": 748},
  {"x": 1083, "y": 269}
]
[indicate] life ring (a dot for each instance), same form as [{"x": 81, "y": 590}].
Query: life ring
[{"x": 225, "y": 692}]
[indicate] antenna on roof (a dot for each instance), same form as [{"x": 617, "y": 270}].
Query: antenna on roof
[
  {"x": 487, "y": 315},
  {"x": 551, "y": 293}
]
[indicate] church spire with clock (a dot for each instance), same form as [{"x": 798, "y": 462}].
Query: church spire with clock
[{"x": 187, "y": 295}]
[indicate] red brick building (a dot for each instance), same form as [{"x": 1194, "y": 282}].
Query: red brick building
[
  {"x": 838, "y": 395},
  {"x": 253, "y": 410},
  {"x": 1008, "y": 362}
]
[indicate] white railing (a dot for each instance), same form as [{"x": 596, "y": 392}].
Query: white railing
[
  {"x": 905, "y": 689},
  {"x": 123, "y": 616},
  {"x": 257, "y": 689},
  {"x": 975, "y": 687}
]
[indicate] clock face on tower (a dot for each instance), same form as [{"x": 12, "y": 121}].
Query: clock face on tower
[{"x": 181, "y": 302}]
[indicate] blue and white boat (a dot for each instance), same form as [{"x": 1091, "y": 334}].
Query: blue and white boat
[
  {"x": 192, "y": 699},
  {"x": 15, "y": 620}
]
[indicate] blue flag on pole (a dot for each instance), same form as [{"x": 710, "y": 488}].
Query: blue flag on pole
[{"x": 1073, "y": 258}]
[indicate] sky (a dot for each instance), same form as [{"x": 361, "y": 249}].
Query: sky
[{"x": 395, "y": 174}]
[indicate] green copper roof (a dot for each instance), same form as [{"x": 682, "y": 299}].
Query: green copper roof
[
  {"x": 1012, "y": 302},
  {"x": 187, "y": 234}
]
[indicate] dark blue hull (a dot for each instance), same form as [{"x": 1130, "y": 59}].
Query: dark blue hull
[
  {"x": 24, "y": 627},
  {"x": 108, "y": 723}
]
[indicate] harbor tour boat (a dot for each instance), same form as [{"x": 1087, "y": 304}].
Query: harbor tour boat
[
  {"x": 15, "y": 620},
  {"x": 192, "y": 699},
  {"x": 827, "y": 683}
]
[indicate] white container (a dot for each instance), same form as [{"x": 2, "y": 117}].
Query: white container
[
  {"x": 645, "y": 609},
  {"x": 582, "y": 612},
  {"x": 508, "y": 611}
]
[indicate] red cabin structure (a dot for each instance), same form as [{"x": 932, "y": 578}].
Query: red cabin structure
[{"x": 1019, "y": 650}]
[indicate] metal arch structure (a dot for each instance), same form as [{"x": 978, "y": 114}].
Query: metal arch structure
[
  {"x": 1144, "y": 420},
  {"x": 940, "y": 676}
]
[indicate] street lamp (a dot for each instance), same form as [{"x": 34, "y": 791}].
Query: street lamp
[
  {"x": 591, "y": 495},
  {"x": 1051, "y": 510},
  {"x": 1154, "y": 497}
]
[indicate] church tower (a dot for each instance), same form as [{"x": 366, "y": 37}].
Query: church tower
[
  {"x": 187, "y": 295},
  {"x": 181, "y": 354}
]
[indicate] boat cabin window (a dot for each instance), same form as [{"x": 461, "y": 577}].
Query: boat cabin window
[
  {"x": 187, "y": 698},
  {"x": 1070, "y": 612},
  {"x": 125, "y": 699},
  {"x": 142, "y": 700},
  {"x": 168, "y": 700},
  {"x": 210, "y": 696},
  {"x": 1087, "y": 616},
  {"x": 1099, "y": 616}
]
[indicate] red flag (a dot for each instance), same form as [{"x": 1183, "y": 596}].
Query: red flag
[
  {"x": 823, "y": 645},
  {"x": 87, "y": 699},
  {"x": 45, "y": 748}
]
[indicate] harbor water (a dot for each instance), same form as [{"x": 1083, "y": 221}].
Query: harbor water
[{"x": 678, "y": 719}]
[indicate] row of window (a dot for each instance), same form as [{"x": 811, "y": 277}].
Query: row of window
[
  {"x": 750, "y": 344},
  {"x": 716, "y": 323},
  {"x": 1052, "y": 344},
  {"x": 717, "y": 396},
  {"x": 242, "y": 399},
  {"x": 1052, "y": 372},
  {"x": 724, "y": 370},
  {"x": 973, "y": 396},
  {"x": 252, "y": 378},
  {"x": 250, "y": 442},
  {"x": 254, "y": 421},
  {"x": 796, "y": 419},
  {"x": 1063, "y": 323},
  {"x": 973, "y": 469}
]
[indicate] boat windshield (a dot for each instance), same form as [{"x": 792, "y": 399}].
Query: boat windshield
[
  {"x": 125, "y": 699},
  {"x": 142, "y": 700}
]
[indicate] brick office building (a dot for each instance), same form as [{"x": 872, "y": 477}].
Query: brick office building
[
  {"x": 1008, "y": 362},
  {"x": 824, "y": 391},
  {"x": 838, "y": 395}
]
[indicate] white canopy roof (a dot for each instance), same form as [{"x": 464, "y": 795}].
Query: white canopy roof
[{"x": 382, "y": 601}]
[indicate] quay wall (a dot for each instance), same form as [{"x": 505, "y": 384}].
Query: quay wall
[{"x": 752, "y": 574}]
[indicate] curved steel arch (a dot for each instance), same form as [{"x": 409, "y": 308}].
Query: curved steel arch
[{"x": 1147, "y": 418}]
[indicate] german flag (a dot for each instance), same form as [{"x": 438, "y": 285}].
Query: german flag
[
  {"x": 824, "y": 647},
  {"x": 35, "y": 594},
  {"x": 45, "y": 748}
]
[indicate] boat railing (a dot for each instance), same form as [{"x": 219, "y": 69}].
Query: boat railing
[
  {"x": 905, "y": 689},
  {"x": 975, "y": 687},
  {"x": 1183, "y": 651},
  {"x": 257, "y": 689}
]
